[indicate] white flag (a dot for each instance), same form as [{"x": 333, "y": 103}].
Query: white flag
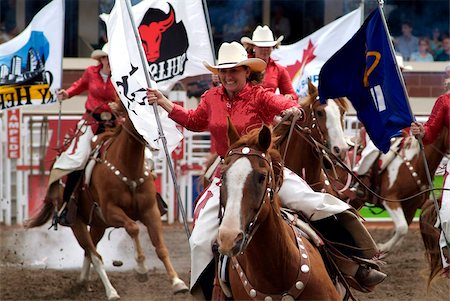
[
  {"x": 128, "y": 77},
  {"x": 305, "y": 58},
  {"x": 31, "y": 63},
  {"x": 175, "y": 38}
]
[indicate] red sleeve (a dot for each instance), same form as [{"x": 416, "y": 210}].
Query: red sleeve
[
  {"x": 80, "y": 85},
  {"x": 285, "y": 83},
  {"x": 195, "y": 120},
  {"x": 436, "y": 121},
  {"x": 273, "y": 104}
]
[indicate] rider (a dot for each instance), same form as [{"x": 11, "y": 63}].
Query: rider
[
  {"x": 249, "y": 105},
  {"x": 101, "y": 100},
  {"x": 439, "y": 118},
  {"x": 275, "y": 76}
]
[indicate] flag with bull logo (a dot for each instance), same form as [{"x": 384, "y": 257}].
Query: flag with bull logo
[
  {"x": 365, "y": 71},
  {"x": 175, "y": 37},
  {"x": 129, "y": 78},
  {"x": 31, "y": 63},
  {"x": 304, "y": 58}
]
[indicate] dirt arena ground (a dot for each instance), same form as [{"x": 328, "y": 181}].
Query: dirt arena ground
[{"x": 41, "y": 264}]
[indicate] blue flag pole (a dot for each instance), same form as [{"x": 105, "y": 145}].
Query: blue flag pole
[{"x": 422, "y": 151}]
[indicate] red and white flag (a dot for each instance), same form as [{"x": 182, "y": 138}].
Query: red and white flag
[{"x": 305, "y": 58}]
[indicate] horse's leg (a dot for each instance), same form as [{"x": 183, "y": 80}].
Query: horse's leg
[
  {"x": 152, "y": 220},
  {"x": 395, "y": 210},
  {"x": 81, "y": 233},
  {"x": 96, "y": 234}
]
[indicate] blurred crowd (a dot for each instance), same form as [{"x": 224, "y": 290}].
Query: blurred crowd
[{"x": 435, "y": 47}]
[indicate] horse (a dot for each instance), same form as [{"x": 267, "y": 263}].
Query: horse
[
  {"x": 402, "y": 186},
  {"x": 268, "y": 260},
  {"x": 121, "y": 191},
  {"x": 430, "y": 236},
  {"x": 315, "y": 141}
]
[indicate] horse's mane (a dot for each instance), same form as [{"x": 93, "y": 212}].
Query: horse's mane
[
  {"x": 251, "y": 140},
  {"x": 313, "y": 93}
]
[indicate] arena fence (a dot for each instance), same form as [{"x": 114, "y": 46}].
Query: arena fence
[{"x": 24, "y": 178}]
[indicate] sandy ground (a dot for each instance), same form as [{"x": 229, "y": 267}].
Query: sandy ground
[{"x": 41, "y": 264}]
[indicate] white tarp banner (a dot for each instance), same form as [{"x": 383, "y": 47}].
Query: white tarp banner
[
  {"x": 305, "y": 58},
  {"x": 31, "y": 63}
]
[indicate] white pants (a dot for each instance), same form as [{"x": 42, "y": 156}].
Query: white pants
[
  {"x": 76, "y": 155},
  {"x": 444, "y": 213},
  {"x": 368, "y": 156},
  {"x": 295, "y": 194}
]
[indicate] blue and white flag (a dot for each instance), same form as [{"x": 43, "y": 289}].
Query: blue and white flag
[
  {"x": 31, "y": 63},
  {"x": 364, "y": 70},
  {"x": 129, "y": 79}
]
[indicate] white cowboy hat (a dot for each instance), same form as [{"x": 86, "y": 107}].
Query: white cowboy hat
[
  {"x": 262, "y": 37},
  {"x": 400, "y": 63},
  {"x": 97, "y": 54},
  {"x": 232, "y": 55}
]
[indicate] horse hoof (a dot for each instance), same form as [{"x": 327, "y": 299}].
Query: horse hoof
[
  {"x": 179, "y": 287},
  {"x": 114, "y": 297},
  {"x": 141, "y": 277}
]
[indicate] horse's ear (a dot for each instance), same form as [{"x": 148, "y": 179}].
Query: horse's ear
[
  {"x": 265, "y": 138},
  {"x": 233, "y": 135},
  {"x": 311, "y": 88}
]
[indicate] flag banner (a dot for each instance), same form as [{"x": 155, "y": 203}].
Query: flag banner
[
  {"x": 364, "y": 70},
  {"x": 129, "y": 79},
  {"x": 175, "y": 38},
  {"x": 31, "y": 63},
  {"x": 304, "y": 59}
]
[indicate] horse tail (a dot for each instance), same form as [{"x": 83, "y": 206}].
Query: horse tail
[
  {"x": 41, "y": 217},
  {"x": 430, "y": 237}
]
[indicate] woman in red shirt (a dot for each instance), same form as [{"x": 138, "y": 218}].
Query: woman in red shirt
[
  {"x": 249, "y": 105},
  {"x": 275, "y": 75},
  {"x": 101, "y": 98},
  {"x": 439, "y": 118}
]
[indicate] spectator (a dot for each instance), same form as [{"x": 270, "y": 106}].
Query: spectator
[
  {"x": 444, "y": 55},
  {"x": 436, "y": 42},
  {"x": 422, "y": 55},
  {"x": 407, "y": 43},
  {"x": 281, "y": 25}
]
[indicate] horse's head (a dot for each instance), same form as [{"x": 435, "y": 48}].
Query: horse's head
[
  {"x": 251, "y": 171},
  {"x": 326, "y": 121}
]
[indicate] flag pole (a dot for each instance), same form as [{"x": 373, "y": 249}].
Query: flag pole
[
  {"x": 163, "y": 139},
  {"x": 208, "y": 27},
  {"x": 60, "y": 81},
  {"x": 422, "y": 151}
]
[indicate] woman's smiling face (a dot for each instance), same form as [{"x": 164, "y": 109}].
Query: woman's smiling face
[{"x": 234, "y": 79}]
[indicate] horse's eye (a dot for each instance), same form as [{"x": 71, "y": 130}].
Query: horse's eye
[
  {"x": 261, "y": 178},
  {"x": 319, "y": 113}
]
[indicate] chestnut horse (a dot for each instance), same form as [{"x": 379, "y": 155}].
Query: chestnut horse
[
  {"x": 403, "y": 184},
  {"x": 121, "y": 191},
  {"x": 430, "y": 236},
  {"x": 268, "y": 260},
  {"x": 320, "y": 130}
]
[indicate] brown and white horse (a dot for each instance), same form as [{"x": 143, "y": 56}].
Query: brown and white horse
[
  {"x": 403, "y": 184},
  {"x": 121, "y": 192},
  {"x": 269, "y": 262},
  {"x": 320, "y": 130}
]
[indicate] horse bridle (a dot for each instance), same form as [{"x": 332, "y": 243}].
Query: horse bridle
[{"x": 245, "y": 151}]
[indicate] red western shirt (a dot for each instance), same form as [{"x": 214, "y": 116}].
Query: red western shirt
[
  {"x": 100, "y": 93},
  {"x": 251, "y": 108},
  {"x": 276, "y": 76},
  {"x": 440, "y": 117}
]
